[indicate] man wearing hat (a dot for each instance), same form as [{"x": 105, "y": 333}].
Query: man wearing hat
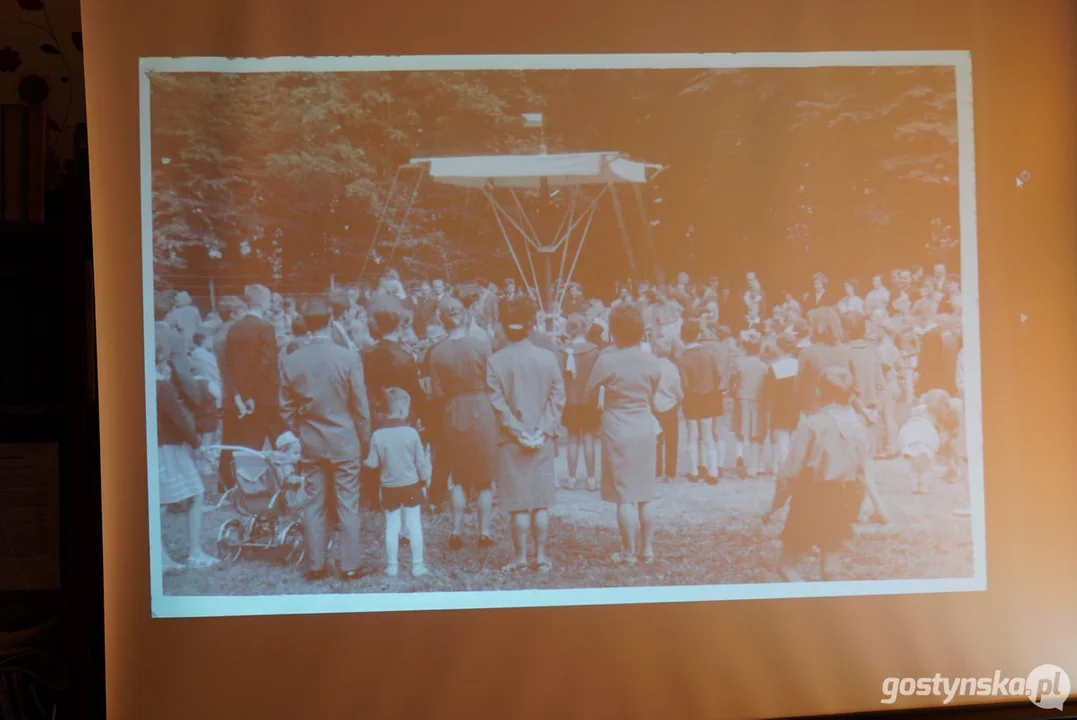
[
  {"x": 324, "y": 403},
  {"x": 184, "y": 316}
]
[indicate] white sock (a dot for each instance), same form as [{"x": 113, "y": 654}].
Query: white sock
[
  {"x": 413, "y": 521},
  {"x": 392, "y": 535}
]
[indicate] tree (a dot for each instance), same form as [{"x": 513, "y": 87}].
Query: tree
[{"x": 284, "y": 176}]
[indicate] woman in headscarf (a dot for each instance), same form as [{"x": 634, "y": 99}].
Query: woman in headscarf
[
  {"x": 528, "y": 397},
  {"x": 468, "y": 436},
  {"x": 628, "y": 378}
]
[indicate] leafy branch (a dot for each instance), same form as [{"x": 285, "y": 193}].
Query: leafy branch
[{"x": 53, "y": 48}]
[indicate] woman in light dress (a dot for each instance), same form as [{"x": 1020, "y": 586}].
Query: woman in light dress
[
  {"x": 528, "y": 396},
  {"x": 628, "y": 377}
]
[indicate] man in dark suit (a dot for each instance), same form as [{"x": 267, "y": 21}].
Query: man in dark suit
[
  {"x": 250, "y": 377},
  {"x": 324, "y": 403},
  {"x": 388, "y": 364}
]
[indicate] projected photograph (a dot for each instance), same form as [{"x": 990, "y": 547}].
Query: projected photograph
[{"x": 462, "y": 332}]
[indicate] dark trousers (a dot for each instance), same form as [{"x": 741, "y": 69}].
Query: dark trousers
[
  {"x": 439, "y": 480},
  {"x": 333, "y": 486},
  {"x": 667, "y": 441}
]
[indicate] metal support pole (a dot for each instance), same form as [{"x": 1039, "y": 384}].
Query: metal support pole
[
  {"x": 544, "y": 200},
  {"x": 624, "y": 231},
  {"x": 656, "y": 262}
]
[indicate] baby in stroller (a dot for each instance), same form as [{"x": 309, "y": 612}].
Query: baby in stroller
[{"x": 267, "y": 496}]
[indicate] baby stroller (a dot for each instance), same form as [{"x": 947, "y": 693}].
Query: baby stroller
[{"x": 267, "y": 496}]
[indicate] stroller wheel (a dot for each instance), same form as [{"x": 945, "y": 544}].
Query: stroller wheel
[
  {"x": 294, "y": 543},
  {"x": 230, "y": 540}
]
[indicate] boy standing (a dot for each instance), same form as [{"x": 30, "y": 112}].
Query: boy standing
[{"x": 397, "y": 450}]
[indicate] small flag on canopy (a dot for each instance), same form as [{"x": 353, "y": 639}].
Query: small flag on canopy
[{"x": 532, "y": 120}]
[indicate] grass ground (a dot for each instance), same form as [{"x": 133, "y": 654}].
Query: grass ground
[{"x": 706, "y": 535}]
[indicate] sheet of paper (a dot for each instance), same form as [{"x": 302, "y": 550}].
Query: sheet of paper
[{"x": 29, "y": 517}]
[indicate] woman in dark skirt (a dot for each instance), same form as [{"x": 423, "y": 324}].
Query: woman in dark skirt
[
  {"x": 468, "y": 438},
  {"x": 824, "y": 479}
]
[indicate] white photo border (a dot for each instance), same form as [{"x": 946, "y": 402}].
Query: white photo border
[{"x": 176, "y": 606}]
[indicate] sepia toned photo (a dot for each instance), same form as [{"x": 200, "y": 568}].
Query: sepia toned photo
[{"x": 461, "y": 332}]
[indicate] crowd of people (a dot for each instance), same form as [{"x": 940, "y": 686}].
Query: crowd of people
[{"x": 407, "y": 398}]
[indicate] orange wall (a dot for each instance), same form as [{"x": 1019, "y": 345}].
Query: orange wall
[{"x": 715, "y": 660}]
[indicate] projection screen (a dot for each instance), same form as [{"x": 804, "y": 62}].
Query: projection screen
[
  {"x": 252, "y": 174},
  {"x": 701, "y": 361}
]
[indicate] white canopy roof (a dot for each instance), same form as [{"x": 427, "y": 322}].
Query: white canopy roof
[{"x": 527, "y": 171}]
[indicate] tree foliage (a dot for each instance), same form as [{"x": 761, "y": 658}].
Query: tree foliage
[{"x": 284, "y": 176}]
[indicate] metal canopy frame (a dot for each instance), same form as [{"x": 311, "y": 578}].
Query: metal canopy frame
[{"x": 519, "y": 233}]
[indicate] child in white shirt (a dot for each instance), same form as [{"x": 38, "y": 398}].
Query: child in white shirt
[
  {"x": 928, "y": 430},
  {"x": 398, "y": 452}
]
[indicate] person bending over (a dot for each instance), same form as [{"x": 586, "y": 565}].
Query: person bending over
[{"x": 824, "y": 479}]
